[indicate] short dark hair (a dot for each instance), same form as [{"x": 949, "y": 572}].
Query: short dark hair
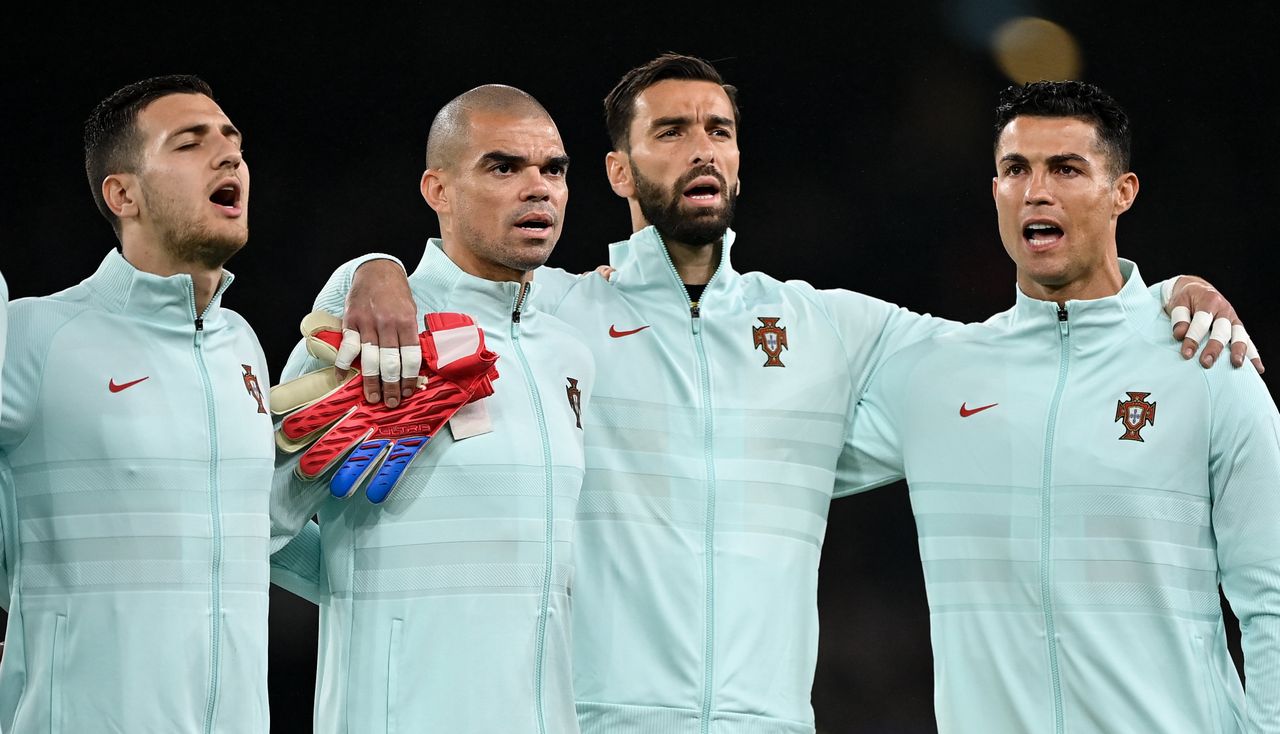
[
  {"x": 1076, "y": 99},
  {"x": 111, "y": 132},
  {"x": 620, "y": 104}
]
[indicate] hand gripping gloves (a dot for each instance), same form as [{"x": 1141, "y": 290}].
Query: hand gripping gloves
[{"x": 330, "y": 422}]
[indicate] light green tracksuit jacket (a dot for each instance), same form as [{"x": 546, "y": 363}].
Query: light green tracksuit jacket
[
  {"x": 714, "y": 446},
  {"x": 446, "y": 608},
  {"x": 135, "y": 469},
  {"x": 1080, "y": 493}
]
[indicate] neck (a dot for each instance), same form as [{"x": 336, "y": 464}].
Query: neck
[
  {"x": 469, "y": 263},
  {"x": 157, "y": 261},
  {"x": 1101, "y": 283},
  {"x": 695, "y": 264}
]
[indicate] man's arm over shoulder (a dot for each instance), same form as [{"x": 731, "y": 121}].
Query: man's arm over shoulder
[
  {"x": 1244, "y": 475},
  {"x": 873, "y": 330},
  {"x": 873, "y": 449}
]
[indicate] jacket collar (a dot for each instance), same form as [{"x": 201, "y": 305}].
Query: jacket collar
[
  {"x": 167, "y": 299},
  {"x": 441, "y": 285},
  {"x": 1133, "y": 305}
]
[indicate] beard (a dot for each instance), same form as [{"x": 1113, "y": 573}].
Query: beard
[
  {"x": 187, "y": 240},
  {"x": 662, "y": 208}
]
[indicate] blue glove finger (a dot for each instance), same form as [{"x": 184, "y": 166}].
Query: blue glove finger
[
  {"x": 365, "y": 458},
  {"x": 402, "y": 454}
]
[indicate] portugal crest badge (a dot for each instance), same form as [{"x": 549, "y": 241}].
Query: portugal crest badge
[
  {"x": 575, "y": 399},
  {"x": 251, "y": 385},
  {"x": 771, "y": 338},
  {"x": 1136, "y": 413}
]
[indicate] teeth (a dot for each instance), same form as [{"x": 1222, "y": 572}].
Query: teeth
[{"x": 1040, "y": 226}]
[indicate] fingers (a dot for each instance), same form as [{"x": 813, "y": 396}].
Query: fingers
[
  {"x": 410, "y": 356},
  {"x": 1200, "y": 324},
  {"x": 1242, "y": 348},
  {"x": 347, "y": 352},
  {"x": 1219, "y": 335},
  {"x": 1181, "y": 318},
  {"x": 371, "y": 372}
]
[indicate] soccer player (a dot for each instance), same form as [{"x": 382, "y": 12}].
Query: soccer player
[
  {"x": 1079, "y": 494},
  {"x": 719, "y": 433},
  {"x": 135, "y": 449},
  {"x": 446, "y": 608}
]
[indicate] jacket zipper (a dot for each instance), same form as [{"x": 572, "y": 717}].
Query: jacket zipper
[
  {"x": 549, "y": 513},
  {"x": 215, "y": 508},
  {"x": 704, "y": 384},
  {"x": 1046, "y": 519}
]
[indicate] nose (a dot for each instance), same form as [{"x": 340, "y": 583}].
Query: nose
[
  {"x": 1039, "y": 190},
  {"x": 536, "y": 187},
  {"x": 229, "y": 156},
  {"x": 703, "y": 152}
]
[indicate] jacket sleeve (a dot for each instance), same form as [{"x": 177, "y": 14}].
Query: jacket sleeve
[
  {"x": 872, "y": 331},
  {"x": 873, "y": 452},
  {"x": 298, "y": 566},
  {"x": 1244, "y": 476}
]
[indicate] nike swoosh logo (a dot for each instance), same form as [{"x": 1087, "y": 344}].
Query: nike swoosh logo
[
  {"x": 966, "y": 412},
  {"x": 113, "y": 387},
  {"x": 613, "y": 331}
]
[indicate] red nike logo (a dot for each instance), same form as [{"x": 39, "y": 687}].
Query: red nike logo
[
  {"x": 613, "y": 331},
  {"x": 113, "y": 387},
  {"x": 966, "y": 412}
]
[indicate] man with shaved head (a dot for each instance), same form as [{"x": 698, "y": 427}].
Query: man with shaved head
[{"x": 446, "y": 607}]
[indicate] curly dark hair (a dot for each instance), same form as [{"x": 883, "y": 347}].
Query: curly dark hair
[{"x": 1076, "y": 99}]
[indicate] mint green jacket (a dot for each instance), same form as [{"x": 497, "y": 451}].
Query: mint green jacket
[
  {"x": 715, "y": 442},
  {"x": 1080, "y": 493},
  {"x": 446, "y": 608},
  {"x": 135, "y": 470}
]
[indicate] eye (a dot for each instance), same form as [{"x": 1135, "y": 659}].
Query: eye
[
  {"x": 188, "y": 146},
  {"x": 722, "y": 132},
  {"x": 669, "y": 133},
  {"x": 1068, "y": 170},
  {"x": 1014, "y": 169},
  {"x": 556, "y": 170},
  {"x": 503, "y": 168}
]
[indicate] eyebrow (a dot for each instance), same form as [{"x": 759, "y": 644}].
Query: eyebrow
[
  {"x": 1053, "y": 160},
  {"x": 520, "y": 161},
  {"x": 202, "y": 129},
  {"x": 682, "y": 120}
]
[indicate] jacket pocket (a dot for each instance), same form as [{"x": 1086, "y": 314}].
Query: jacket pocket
[
  {"x": 1223, "y": 711},
  {"x": 393, "y": 674},
  {"x": 57, "y": 671}
]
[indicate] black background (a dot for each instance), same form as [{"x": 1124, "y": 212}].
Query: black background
[{"x": 866, "y": 160}]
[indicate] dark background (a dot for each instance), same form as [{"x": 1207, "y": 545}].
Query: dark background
[{"x": 866, "y": 144}]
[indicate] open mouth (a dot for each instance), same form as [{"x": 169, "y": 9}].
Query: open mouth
[
  {"x": 226, "y": 195},
  {"x": 1041, "y": 234},
  {"x": 535, "y": 223},
  {"x": 704, "y": 189}
]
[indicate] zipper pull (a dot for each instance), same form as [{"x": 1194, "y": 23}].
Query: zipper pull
[
  {"x": 1063, "y": 326},
  {"x": 199, "y": 323}
]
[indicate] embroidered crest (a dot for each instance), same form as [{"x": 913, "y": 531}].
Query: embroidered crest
[
  {"x": 575, "y": 399},
  {"x": 771, "y": 338},
  {"x": 251, "y": 385},
  {"x": 1136, "y": 413}
]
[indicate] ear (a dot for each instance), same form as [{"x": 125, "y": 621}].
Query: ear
[
  {"x": 617, "y": 167},
  {"x": 737, "y": 189},
  {"x": 121, "y": 193},
  {"x": 1125, "y": 190},
  {"x": 995, "y": 183},
  {"x": 434, "y": 191}
]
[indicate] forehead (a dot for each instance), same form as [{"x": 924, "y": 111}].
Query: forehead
[
  {"x": 173, "y": 112},
  {"x": 695, "y": 99},
  {"x": 531, "y": 136},
  {"x": 1036, "y": 137}
]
